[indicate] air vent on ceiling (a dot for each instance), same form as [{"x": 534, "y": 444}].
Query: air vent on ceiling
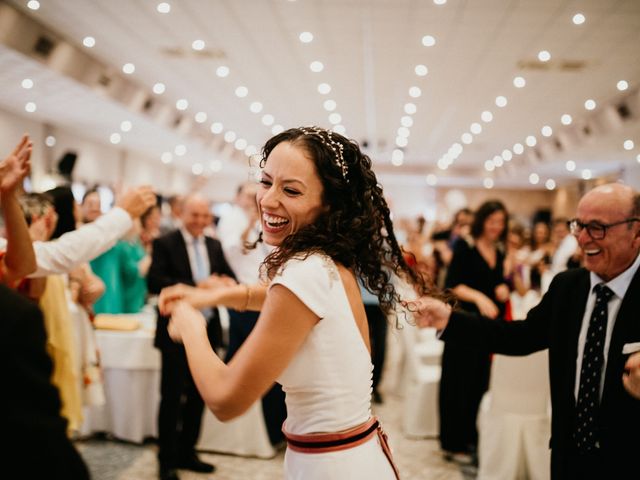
[
  {"x": 558, "y": 65},
  {"x": 104, "y": 80},
  {"x": 623, "y": 111},
  {"x": 44, "y": 46},
  {"x": 210, "y": 53}
]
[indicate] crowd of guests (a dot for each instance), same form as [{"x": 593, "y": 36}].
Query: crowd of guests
[{"x": 63, "y": 262}]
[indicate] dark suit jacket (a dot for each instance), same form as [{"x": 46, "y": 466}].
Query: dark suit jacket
[
  {"x": 170, "y": 265},
  {"x": 37, "y": 445},
  {"x": 555, "y": 324}
]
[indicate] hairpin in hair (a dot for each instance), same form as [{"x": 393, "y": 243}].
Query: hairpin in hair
[{"x": 327, "y": 139}]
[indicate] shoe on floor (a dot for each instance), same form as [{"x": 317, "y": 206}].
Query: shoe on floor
[
  {"x": 194, "y": 464},
  {"x": 168, "y": 474}
]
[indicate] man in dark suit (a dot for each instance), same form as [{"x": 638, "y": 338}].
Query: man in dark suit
[
  {"x": 589, "y": 322},
  {"x": 183, "y": 256}
]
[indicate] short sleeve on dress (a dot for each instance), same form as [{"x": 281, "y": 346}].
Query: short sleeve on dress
[{"x": 309, "y": 279}]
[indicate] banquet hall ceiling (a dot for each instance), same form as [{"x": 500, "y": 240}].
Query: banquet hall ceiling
[{"x": 370, "y": 51}]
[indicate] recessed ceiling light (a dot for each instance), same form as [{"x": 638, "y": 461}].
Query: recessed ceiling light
[
  {"x": 242, "y": 91},
  {"x": 486, "y": 116},
  {"x": 519, "y": 82},
  {"x": 507, "y": 155},
  {"x": 89, "y": 42},
  {"x": 586, "y": 174},
  {"x": 240, "y": 144},
  {"x": 428, "y": 41},
  {"x": 410, "y": 108},
  {"x": 340, "y": 129},
  {"x": 267, "y": 119},
  {"x": 498, "y": 161},
  {"x": 402, "y": 141},
  {"x": 115, "y": 138},
  {"x": 251, "y": 150},
  {"x": 324, "y": 88},
  {"x": 518, "y": 149},
  {"x": 570, "y": 165},
  {"x": 276, "y": 129},
  {"x": 403, "y": 132},
  {"x": 415, "y": 92},
  {"x": 550, "y": 184},
  {"x": 256, "y": 107},
  {"x": 182, "y": 104},
  {"x": 439, "y": 2},
  {"x": 488, "y": 183},
  {"x": 421, "y": 70},
  {"x": 33, "y": 4},
  {"x": 578, "y": 19},
  {"x": 180, "y": 150},
  {"x": 306, "y": 37},
  {"x": 335, "y": 118},
  {"x": 198, "y": 45},
  {"x": 531, "y": 141},
  {"x": 163, "y": 7},
  {"x": 475, "y": 128},
  {"x": 397, "y": 157},
  {"x": 201, "y": 117},
  {"x": 159, "y": 88},
  {"x": 566, "y": 119},
  {"x": 316, "y": 66},
  {"x": 406, "y": 121},
  {"x": 466, "y": 138},
  {"x": 230, "y": 136},
  {"x": 628, "y": 144},
  {"x": 489, "y": 166},
  {"x": 590, "y": 104},
  {"x": 30, "y": 107},
  {"x": 638, "y": 158},
  {"x": 546, "y": 131},
  {"x": 166, "y": 157},
  {"x": 534, "y": 178},
  {"x": 50, "y": 141},
  {"x": 128, "y": 68},
  {"x": 197, "y": 169},
  {"x": 501, "y": 101},
  {"x": 27, "y": 83},
  {"x": 622, "y": 85},
  {"x": 544, "y": 55},
  {"x": 217, "y": 127},
  {"x": 329, "y": 105},
  {"x": 222, "y": 71},
  {"x": 432, "y": 180},
  {"x": 126, "y": 126},
  {"x": 443, "y": 164}
]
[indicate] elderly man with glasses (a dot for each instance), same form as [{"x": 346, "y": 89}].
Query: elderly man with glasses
[{"x": 590, "y": 322}]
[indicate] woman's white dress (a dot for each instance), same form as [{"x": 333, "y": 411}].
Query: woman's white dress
[{"x": 328, "y": 382}]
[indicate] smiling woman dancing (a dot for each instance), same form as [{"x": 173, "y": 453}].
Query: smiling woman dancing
[{"x": 321, "y": 206}]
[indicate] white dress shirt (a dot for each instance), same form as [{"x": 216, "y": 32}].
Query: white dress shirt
[
  {"x": 74, "y": 248},
  {"x": 189, "y": 240},
  {"x": 619, "y": 286}
]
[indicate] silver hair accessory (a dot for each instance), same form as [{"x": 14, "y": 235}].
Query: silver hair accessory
[{"x": 326, "y": 138}]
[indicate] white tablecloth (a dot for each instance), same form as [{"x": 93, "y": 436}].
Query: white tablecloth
[{"x": 131, "y": 369}]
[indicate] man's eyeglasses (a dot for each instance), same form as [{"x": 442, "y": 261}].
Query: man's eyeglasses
[{"x": 596, "y": 230}]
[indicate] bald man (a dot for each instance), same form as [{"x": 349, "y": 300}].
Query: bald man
[
  {"x": 590, "y": 322},
  {"x": 183, "y": 256}
]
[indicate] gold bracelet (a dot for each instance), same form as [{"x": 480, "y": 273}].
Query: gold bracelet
[{"x": 247, "y": 298}]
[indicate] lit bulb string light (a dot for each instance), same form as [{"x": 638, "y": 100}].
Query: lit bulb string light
[{"x": 531, "y": 142}]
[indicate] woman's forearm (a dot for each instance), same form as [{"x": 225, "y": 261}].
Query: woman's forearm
[
  {"x": 20, "y": 260},
  {"x": 240, "y": 297}
]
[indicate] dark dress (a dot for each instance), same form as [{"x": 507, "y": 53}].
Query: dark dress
[{"x": 465, "y": 371}]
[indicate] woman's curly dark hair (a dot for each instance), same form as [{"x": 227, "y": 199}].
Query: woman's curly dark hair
[{"x": 356, "y": 229}]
